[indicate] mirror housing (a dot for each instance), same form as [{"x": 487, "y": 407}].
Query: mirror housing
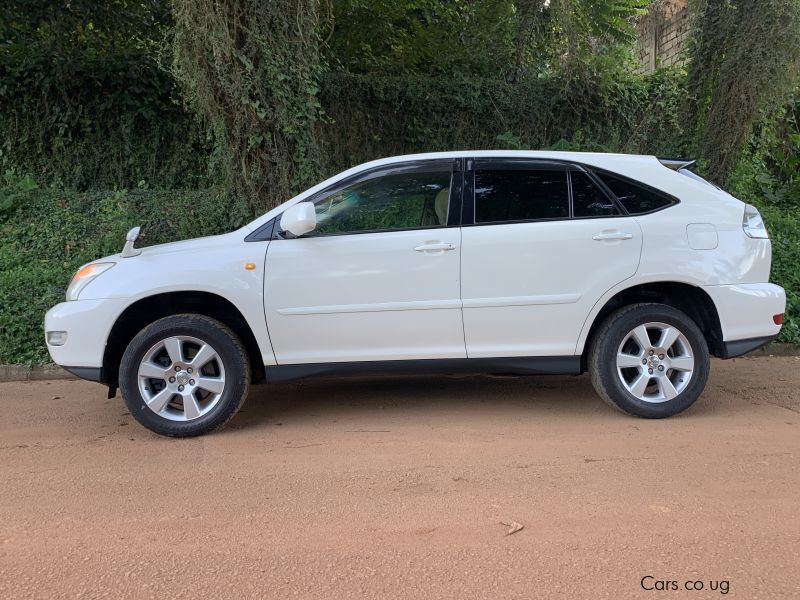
[
  {"x": 128, "y": 250},
  {"x": 299, "y": 219}
]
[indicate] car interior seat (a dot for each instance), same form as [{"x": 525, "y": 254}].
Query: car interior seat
[{"x": 440, "y": 205}]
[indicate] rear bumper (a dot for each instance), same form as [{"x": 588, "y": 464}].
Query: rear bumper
[
  {"x": 746, "y": 312},
  {"x": 739, "y": 347}
]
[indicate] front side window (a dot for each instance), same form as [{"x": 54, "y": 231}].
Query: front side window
[
  {"x": 399, "y": 201},
  {"x": 637, "y": 199},
  {"x": 520, "y": 195}
]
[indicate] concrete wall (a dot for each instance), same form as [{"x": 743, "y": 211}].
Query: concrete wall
[{"x": 662, "y": 34}]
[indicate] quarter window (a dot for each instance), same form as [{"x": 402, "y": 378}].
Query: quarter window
[
  {"x": 400, "y": 201},
  {"x": 587, "y": 199},
  {"x": 636, "y": 199},
  {"x": 520, "y": 195}
]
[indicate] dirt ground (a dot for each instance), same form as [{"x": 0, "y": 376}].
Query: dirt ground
[{"x": 397, "y": 489}]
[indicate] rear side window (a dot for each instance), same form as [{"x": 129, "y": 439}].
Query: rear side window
[
  {"x": 636, "y": 199},
  {"x": 520, "y": 195},
  {"x": 588, "y": 200}
]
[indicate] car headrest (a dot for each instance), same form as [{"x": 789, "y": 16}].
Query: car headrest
[{"x": 440, "y": 205}]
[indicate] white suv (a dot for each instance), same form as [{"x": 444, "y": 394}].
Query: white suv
[{"x": 629, "y": 267}]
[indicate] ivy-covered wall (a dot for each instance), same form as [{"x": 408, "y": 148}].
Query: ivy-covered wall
[
  {"x": 102, "y": 121},
  {"x": 110, "y": 134},
  {"x": 370, "y": 117}
]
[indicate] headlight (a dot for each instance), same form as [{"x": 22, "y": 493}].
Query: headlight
[
  {"x": 85, "y": 275},
  {"x": 753, "y": 224}
]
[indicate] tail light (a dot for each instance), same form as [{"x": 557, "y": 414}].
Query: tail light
[
  {"x": 777, "y": 319},
  {"x": 753, "y": 224}
]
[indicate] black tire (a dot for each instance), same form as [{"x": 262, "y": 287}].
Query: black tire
[
  {"x": 228, "y": 350},
  {"x": 607, "y": 380}
]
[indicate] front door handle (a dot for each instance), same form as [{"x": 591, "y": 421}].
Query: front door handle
[
  {"x": 612, "y": 235},
  {"x": 434, "y": 247}
]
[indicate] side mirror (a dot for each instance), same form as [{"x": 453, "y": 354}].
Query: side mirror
[
  {"x": 128, "y": 250},
  {"x": 299, "y": 219}
]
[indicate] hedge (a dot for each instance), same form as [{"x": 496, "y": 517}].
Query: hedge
[{"x": 49, "y": 233}]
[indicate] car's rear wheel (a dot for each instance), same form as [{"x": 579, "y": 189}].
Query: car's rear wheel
[
  {"x": 184, "y": 375},
  {"x": 649, "y": 360}
]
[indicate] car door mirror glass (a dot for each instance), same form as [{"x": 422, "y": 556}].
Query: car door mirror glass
[{"x": 299, "y": 219}]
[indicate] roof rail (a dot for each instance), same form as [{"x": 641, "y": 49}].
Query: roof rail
[{"x": 676, "y": 164}]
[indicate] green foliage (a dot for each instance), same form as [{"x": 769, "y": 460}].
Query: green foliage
[
  {"x": 584, "y": 29},
  {"x": 784, "y": 229},
  {"x": 65, "y": 22},
  {"x": 53, "y": 231},
  {"x": 110, "y": 122},
  {"x": 745, "y": 60},
  {"x": 13, "y": 191},
  {"x": 504, "y": 39},
  {"x": 781, "y": 149},
  {"x": 371, "y": 116},
  {"x": 757, "y": 179},
  {"x": 250, "y": 73},
  {"x": 390, "y": 37},
  {"x": 84, "y": 102},
  {"x": 87, "y": 104}
]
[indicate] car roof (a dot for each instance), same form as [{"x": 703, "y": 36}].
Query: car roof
[{"x": 592, "y": 158}]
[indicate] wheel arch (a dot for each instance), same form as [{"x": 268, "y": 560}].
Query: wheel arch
[
  {"x": 688, "y": 298},
  {"x": 146, "y": 310}
]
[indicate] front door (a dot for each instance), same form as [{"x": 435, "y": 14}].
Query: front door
[
  {"x": 378, "y": 279},
  {"x": 544, "y": 244}
]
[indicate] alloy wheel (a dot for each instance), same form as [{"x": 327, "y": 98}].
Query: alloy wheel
[
  {"x": 655, "y": 362},
  {"x": 181, "y": 378}
]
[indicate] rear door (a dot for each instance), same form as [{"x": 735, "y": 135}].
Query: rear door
[{"x": 541, "y": 243}]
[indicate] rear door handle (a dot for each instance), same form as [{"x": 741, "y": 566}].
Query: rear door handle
[
  {"x": 434, "y": 247},
  {"x": 612, "y": 235}
]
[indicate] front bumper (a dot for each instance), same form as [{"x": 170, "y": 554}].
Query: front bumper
[
  {"x": 746, "y": 313},
  {"x": 87, "y": 324},
  {"x": 87, "y": 373}
]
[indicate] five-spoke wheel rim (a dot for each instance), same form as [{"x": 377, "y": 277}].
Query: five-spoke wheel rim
[
  {"x": 655, "y": 362},
  {"x": 181, "y": 378}
]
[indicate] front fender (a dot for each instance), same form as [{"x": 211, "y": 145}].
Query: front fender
[{"x": 224, "y": 265}]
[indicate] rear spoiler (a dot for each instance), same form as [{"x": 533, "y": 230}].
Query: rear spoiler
[
  {"x": 681, "y": 165},
  {"x": 676, "y": 164}
]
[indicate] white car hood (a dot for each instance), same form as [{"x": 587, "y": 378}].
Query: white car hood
[{"x": 192, "y": 245}]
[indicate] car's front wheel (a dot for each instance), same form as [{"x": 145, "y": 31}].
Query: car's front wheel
[
  {"x": 184, "y": 375},
  {"x": 649, "y": 360}
]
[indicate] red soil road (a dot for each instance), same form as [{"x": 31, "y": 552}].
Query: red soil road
[{"x": 396, "y": 489}]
